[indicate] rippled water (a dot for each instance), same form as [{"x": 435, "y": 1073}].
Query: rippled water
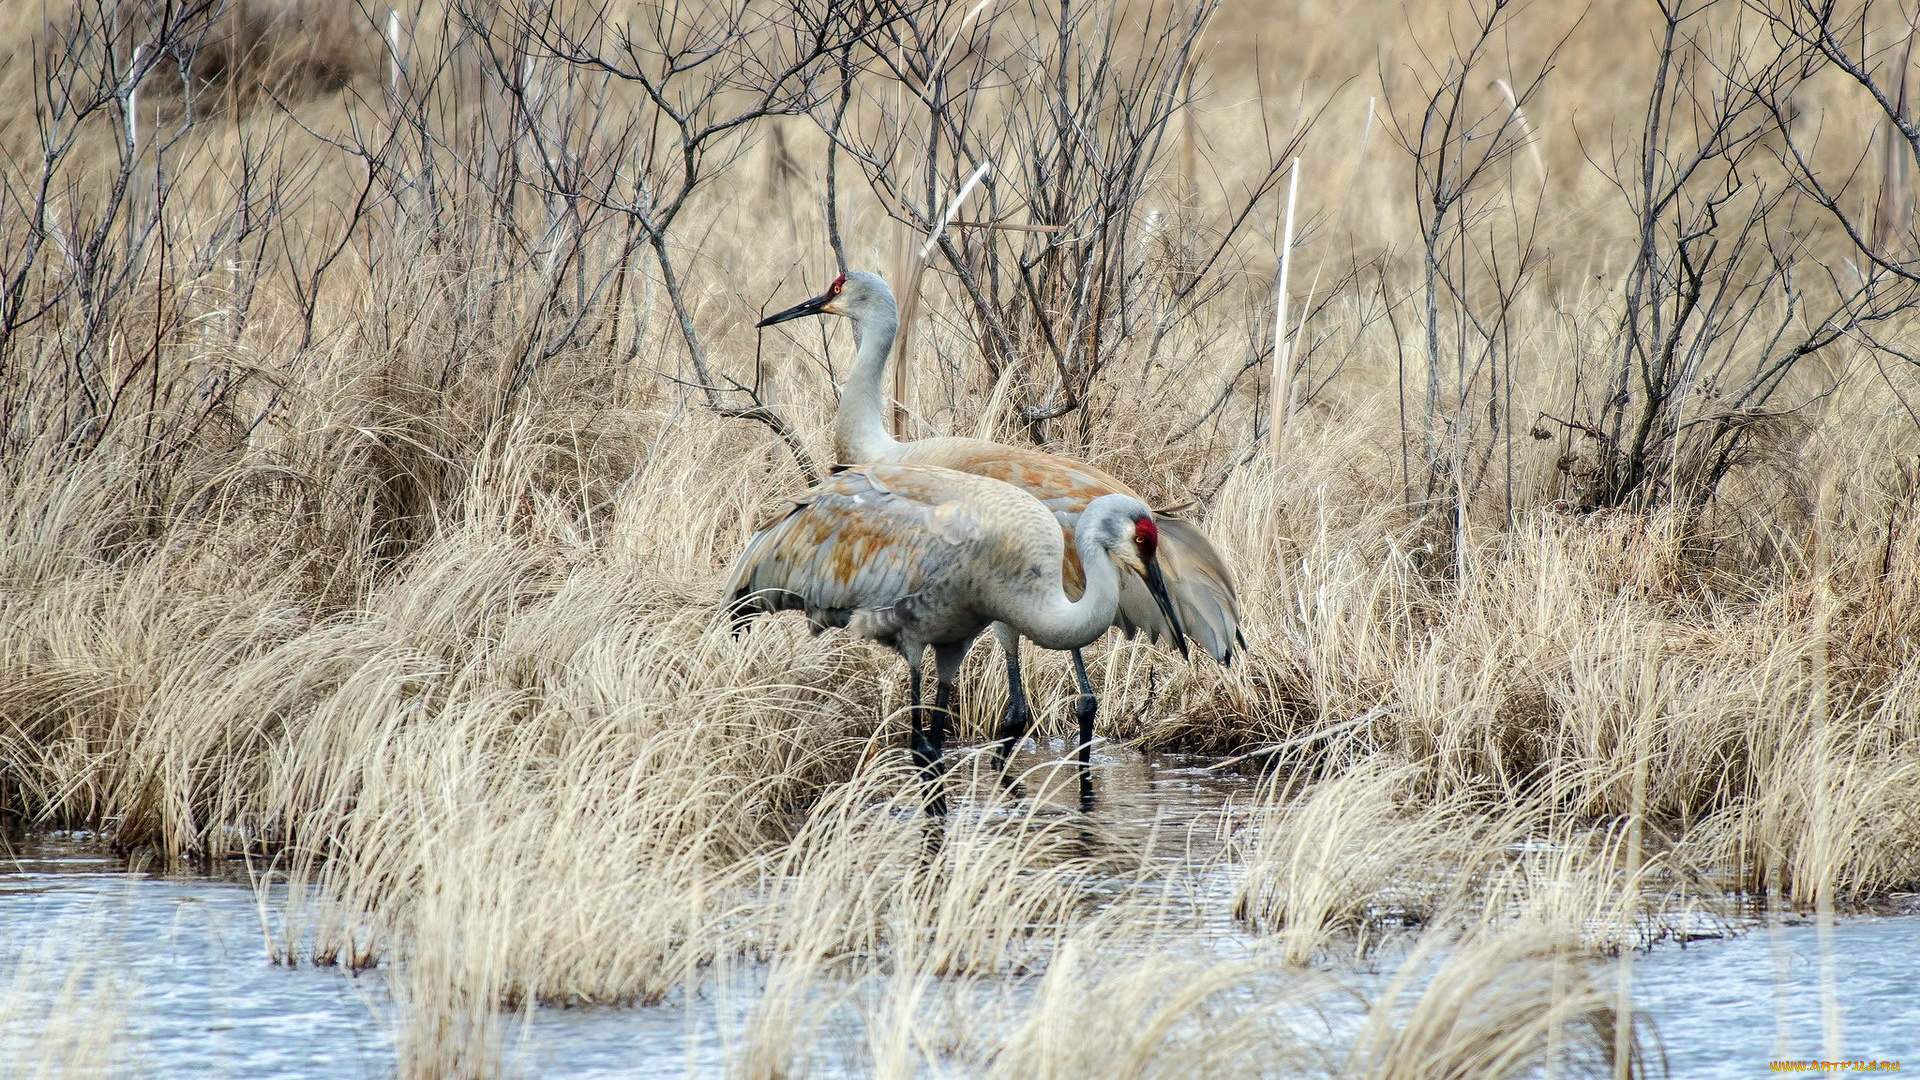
[
  {"x": 179, "y": 967},
  {"x": 176, "y": 969},
  {"x": 1725, "y": 1008},
  {"x": 183, "y": 979}
]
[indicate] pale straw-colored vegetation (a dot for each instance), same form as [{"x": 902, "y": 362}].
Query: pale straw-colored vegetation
[{"x": 373, "y": 454}]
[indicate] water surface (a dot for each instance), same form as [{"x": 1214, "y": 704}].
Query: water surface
[{"x": 179, "y": 969}]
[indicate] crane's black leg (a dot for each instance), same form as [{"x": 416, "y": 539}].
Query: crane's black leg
[
  {"x": 924, "y": 752},
  {"x": 946, "y": 659},
  {"x": 1084, "y": 710},
  {"x": 1013, "y": 726},
  {"x": 942, "y": 700},
  {"x": 929, "y": 733}
]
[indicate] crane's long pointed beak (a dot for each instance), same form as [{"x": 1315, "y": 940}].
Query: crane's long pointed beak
[
  {"x": 815, "y": 306},
  {"x": 1157, "y": 585}
]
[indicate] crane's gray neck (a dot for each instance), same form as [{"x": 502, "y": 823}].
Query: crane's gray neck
[
  {"x": 1072, "y": 624},
  {"x": 859, "y": 429}
]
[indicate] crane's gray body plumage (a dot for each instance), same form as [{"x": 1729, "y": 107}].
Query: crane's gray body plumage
[
  {"x": 914, "y": 556},
  {"x": 919, "y": 557}
]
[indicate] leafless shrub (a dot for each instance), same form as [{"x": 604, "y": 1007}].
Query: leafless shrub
[
  {"x": 1478, "y": 251},
  {"x": 1062, "y": 260},
  {"x": 705, "y": 79},
  {"x": 1731, "y": 285}
]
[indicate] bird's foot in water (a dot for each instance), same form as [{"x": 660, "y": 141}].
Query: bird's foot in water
[
  {"x": 933, "y": 770},
  {"x": 1013, "y": 733}
]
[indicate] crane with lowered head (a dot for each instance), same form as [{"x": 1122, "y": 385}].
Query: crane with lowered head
[
  {"x": 919, "y": 557},
  {"x": 1200, "y": 586}
]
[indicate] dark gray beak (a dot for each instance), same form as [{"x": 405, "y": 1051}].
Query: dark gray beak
[
  {"x": 1157, "y": 585},
  {"x": 814, "y": 306}
]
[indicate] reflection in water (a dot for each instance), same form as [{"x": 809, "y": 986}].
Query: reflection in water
[
  {"x": 194, "y": 995},
  {"x": 1169, "y": 807}
]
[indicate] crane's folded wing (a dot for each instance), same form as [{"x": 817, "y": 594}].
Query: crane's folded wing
[{"x": 862, "y": 539}]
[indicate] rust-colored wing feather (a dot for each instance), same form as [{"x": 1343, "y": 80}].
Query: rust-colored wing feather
[{"x": 862, "y": 541}]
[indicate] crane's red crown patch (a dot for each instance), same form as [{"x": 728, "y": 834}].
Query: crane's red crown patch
[{"x": 1147, "y": 535}]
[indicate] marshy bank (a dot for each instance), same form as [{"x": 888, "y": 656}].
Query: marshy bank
[{"x": 380, "y": 410}]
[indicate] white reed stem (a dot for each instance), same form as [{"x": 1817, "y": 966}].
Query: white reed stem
[
  {"x": 1359, "y": 156},
  {"x": 393, "y": 50},
  {"x": 1281, "y": 369},
  {"x": 953, "y": 207},
  {"x": 133, "y": 102},
  {"x": 1533, "y": 143},
  {"x": 940, "y": 65}
]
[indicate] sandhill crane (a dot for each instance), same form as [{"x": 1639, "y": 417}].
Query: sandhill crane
[
  {"x": 914, "y": 556},
  {"x": 1198, "y": 581}
]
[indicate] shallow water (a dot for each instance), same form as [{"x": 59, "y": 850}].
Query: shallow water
[
  {"x": 1725, "y": 1008},
  {"x": 1167, "y": 806},
  {"x": 178, "y": 969},
  {"x": 191, "y": 993}
]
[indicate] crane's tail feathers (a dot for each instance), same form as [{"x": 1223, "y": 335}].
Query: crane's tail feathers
[
  {"x": 753, "y": 587},
  {"x": 742, "y": 605},
  {"x": 1201, "y": 589}
]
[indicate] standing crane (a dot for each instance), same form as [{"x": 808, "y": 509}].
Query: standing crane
[
  {"x": 1197, "y": 579},
  {"x": 914, "y": 556}
]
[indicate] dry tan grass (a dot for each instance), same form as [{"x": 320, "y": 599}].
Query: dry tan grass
[{"x": 429, "y": 629}]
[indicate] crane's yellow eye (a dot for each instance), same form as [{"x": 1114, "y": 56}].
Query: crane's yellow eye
[{"x": 1146, "y": 537}]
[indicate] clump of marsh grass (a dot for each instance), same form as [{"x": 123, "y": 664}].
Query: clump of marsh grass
[
  {"x": 1160, "y": 1010},
  {"x": 1355, "y": 857},
  {"x": 1505, "y": 1005},
  {"x": 1361, "y": 860},
  {"x": 1134, "y": 991}
]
